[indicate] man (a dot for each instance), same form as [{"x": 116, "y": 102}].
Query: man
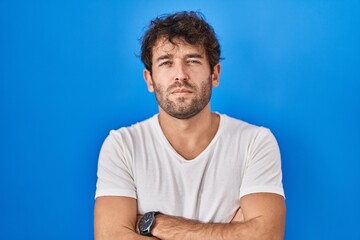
[{"x": 188, "y": 173}]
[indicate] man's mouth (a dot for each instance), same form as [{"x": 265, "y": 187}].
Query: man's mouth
[{"x": 181, "y": 91}]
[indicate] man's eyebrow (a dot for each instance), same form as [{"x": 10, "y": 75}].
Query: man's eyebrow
[
  {"x": 194, "y": 55},
  {"x": 164, "y": 57},
  {"x": 169, "y": 56}
]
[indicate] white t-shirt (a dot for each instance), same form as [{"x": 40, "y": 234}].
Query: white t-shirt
[{"x": 139, "y": 162}]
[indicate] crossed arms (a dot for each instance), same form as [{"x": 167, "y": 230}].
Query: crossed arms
[{"x": 262, "y": 216}]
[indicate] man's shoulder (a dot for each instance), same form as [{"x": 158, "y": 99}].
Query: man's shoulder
[
  {"x": 232, "y": 122},
  {"x": 236, "y": 126}
]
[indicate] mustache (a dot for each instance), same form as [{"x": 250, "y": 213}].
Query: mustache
[{"x": 183, "y": 84}]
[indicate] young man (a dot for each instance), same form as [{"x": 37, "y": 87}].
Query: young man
[{"x": 188, "y": 173}]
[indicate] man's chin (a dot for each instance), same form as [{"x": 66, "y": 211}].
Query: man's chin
[
  {"x": 183, "y": 116},
  {"x": 183, "y": 113}
]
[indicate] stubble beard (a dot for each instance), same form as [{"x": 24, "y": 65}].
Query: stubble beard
[{"x": 181, "y": 107}]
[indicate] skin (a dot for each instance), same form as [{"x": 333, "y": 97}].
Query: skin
[
  {"x": 182, "y": 82},
  {"x": 181, "y": 78}
]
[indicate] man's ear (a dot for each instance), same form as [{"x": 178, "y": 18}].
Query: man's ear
[
  {"x": 148, "y": 80},
  {"x": 216, "y": 75}
]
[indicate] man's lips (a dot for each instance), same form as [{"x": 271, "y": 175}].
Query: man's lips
[{"x": 181, "y": 91}]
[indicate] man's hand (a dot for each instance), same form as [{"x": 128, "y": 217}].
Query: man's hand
[{"x": 239, "y": 217}]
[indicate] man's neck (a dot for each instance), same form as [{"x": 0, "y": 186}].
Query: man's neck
[{"x": 190, "y": 137}]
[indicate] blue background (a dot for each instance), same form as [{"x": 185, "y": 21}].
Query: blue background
[{"x": 69, "y": 73}]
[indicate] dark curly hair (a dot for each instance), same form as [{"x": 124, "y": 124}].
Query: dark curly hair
[{"x": 189, "y": 26}]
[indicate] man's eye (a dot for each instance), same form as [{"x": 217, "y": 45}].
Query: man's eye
[
  {"x": 194, "y": 61},
  {"x": 166, "y": 63}
]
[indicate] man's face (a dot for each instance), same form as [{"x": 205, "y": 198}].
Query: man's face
[{"x": 181, "y": 78}]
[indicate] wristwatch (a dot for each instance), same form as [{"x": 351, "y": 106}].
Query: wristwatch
[{"x": 146, "y": 223}]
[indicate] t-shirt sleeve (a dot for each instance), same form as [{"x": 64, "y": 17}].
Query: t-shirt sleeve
[
  {"x": 263, "y": 170},
  {"x": 115, "y": 169}
]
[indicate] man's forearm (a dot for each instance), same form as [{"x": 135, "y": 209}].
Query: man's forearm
[
  {"x": 136, "y": 236},
  {"x": 168, "y": 227},
  {"x": 128, "y": 235}
]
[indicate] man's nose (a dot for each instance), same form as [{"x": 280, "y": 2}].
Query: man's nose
[{"x": 181, "y": 73}]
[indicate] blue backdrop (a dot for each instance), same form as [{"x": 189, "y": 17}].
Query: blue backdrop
[{"x": 69, "y": 73}]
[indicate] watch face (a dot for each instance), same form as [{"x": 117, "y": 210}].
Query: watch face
[{"x": 146, "y": 222}]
